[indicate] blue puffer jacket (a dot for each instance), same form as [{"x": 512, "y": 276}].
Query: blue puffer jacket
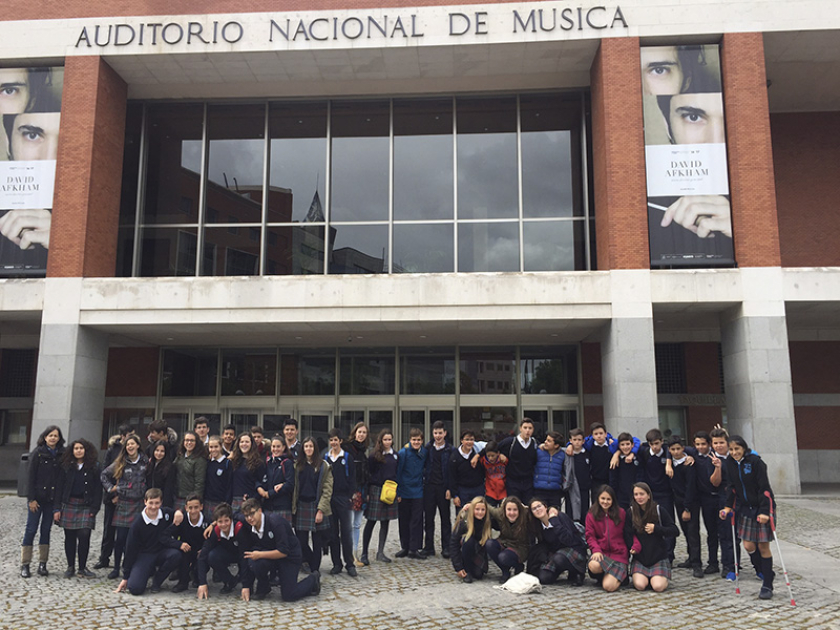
[
  {"x": 410, "y": 467},
  {"x": 548, "y": 474}
]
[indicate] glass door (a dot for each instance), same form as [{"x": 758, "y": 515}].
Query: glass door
[{"x": 424, "y": 419}]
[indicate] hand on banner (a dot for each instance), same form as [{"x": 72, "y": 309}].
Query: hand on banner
[
  {"x": 27, "y": 227},
  {"x": 702, "y": 214}
]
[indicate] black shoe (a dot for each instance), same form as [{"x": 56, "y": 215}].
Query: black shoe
[
  {"x": 316, "y": 588},
  {"x": 217, "y": 579},
  {"x": 364, "y": 559},
  {"x": 698, "y": 572},
  {"x": 102, "y": 563},
  {"x": 504, "y": 578},
  {"x": 42, "y": 569},
  {"x": 422, "y": 555},
  {"x": 155, "y": 588},
  {"x": 260, "y": 595},
  {"x": 335, "y": 570},
  {"x": 351, "y": 571},
  {"x": 429, "y": 552},
  {"x": 416, "y": 555},
  {"x": 24, "y": 571},
  {"x": 577, "y": 580},
  {"x": 114, "y": 574},
  {"x": 685, "y": 565},
  {"x": 766, "y": 593},
  {"x": 274, "y": 580},
  {"x": 381, "y": 557},
  {"x": 402, "y": 553},
  {"x": 85, "y": 572},
  {"x": 180, "y": 587},
  {"x": 70, "y": 572},
  {"x": 467, "y": 579},
  {"x": 228, "y": 587},
  {"x": 445, "y": 553},
  {"x": 711, "y": 569}
]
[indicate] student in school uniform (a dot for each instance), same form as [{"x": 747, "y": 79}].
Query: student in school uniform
[
  {"x": 521, "y": 452},
  {"x": 684, "y": 486},
  {"x": 191, "y": 464},
  {"x": 495, "y": 472},
  {"x": 151, "y": 551},
  {"x": 562, "y": 549},
  {"x": 626, "y": 471},
  {"x": 222, "y": 548},
  {"x": 189, "y": 531},
  {"x": 228, "y": 439},
  {"x": 382, "y": 464},
  {"x": 78, "y": 498},
  {"x": 218, "y": 477},
  {"x": 344, "y": 478},
  {"x": 466, "y": 480},
  {"x": 609, "y": 539},
  {"x": 510, "y": 550},
  {"x": 311, "y": 507},
  {"x": 548, "y": 473},
  {"x": 106, "y": 548},
  {"x": 411, "y": 465},
  {"x": 356, "y": 447},
  {"x": 654, "y": 461},
  {"x": 124, "y": 482},
  {"x": 576, "y": 471},
  {"x": 654, "y": 528},
  {"x": 707, "y": 497},
  {"x": 750, "y": 497},
  {"x": 161, "y": 473},
  {"x": 467, "y": 545},
  {"x": 436, "y": 491},
  {"x": 279, "y": 486},
  {"x": 730, "y": 551},
  {"x": 290, "y": 433},
  {"x": 44, "y": 470},
  {"x": 248, "y": 470},
  {"x": 271, "y": 546}
]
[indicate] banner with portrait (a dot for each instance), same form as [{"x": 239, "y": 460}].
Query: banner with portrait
[
  {"x": 689, "y": 213},
  {"x": 30, "y": 108}
]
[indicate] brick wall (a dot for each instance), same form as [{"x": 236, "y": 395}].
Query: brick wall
[
  {"x": 806, "y": 153},
  {"x": 618, "y": 156},
  {"x": 83, "y": 236},
  {"x": 132, "y": 372},
  {"x": 755, "y": 227},
  {"x": 814, "y": 367}
]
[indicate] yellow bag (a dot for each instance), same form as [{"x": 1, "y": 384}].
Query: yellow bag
[{"x": 389, "y": 492}]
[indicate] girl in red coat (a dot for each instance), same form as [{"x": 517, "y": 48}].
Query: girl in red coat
[{"x": 605, "y": 535}]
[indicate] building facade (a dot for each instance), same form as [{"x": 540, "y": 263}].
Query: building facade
[{"x": 343, "y": 212}]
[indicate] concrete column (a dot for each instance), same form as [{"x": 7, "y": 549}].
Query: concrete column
[
  {"x": 756, "y": 370},
  {"x": 627, "y": 357},
  {"x": 72, "y": 366}
]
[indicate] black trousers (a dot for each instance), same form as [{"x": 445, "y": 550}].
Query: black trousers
[
  {"x": 109, "y": 532},
  {"x": 523, "y": 489},
  {"x": 666, "y": 502},
  {"x": 691, "y": 531},
  {"x": 411, "y": 524},
  {"x": 434, "y": 500},
  {"x": 341, "y": 534},
  {"x": 711, "y": 519},
  {"x": 155, "y": 565},
  {"x": 287, "y": 569}
]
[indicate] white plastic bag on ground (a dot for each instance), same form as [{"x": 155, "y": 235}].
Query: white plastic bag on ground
[{"x": 521, "y": 584}]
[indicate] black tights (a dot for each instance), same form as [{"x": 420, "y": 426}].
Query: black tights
[
  {"x": 561, "y": 564},
  {"x": 82, "y": 537},
  {"x": 311, "y": 555},
  {"x": 368, "y": 534}
]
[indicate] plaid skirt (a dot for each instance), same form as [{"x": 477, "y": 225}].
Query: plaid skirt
[
  {"x": 305, "y": 518},
  {"x": 125, "y": 512},
  {"x": 751, "y": 530},
  {"x": 614, "y": 568},
  {"x": 236, "y": 504},
  {"x": 76, "y": 514},
  {"x": 378, "y": 511},
  {"x": 287, "y": 514},
  {"x": 209, "y": 508},
  {"x": 574, "y": 556},
  {"x": 660, "y": 569}
]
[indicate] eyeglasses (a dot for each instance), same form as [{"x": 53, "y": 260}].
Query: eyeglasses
[{"x": 188, "y": 440}]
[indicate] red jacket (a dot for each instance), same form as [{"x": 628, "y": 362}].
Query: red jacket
[
  {"x": 607, "y": 538},
  {"x": 494, "y": 479}
]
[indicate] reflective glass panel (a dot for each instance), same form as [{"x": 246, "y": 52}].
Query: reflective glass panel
[
  {"x": 235, "y": 163},
  {"x": 487, "y": 371},
  {"x": 488, "y": 186},
  {"x": 294, "y": 250},
  {"x": 488, "y": 247},
  {"x": 489, "y": 423},
  {"x": 274, "y": 423},
  {"x": 549, "y": 136},
  {"x": 189, "y": 372},
  {"x": 348, "y": 419},
  {"x": 168, "y": 251},
  {"x": 379, "y": 420},
  {"x": 540, "y": 419},
  {"x": 427, "y": 371},
  {"x": 297, "y": 173},
  {"x": 367, "y": 372},
  {"x": 548, "y": 370},
  {"x": 359, "y": 249},
  {"x": 554, "y": 246},
  {"x": 248, "y": 373},
  {"x": 412, "y": 419},
  {"x": 307, "y": 374},
  {"x": 360, "y": 157},
  {"x": 316, "y": 426},
  {"x": 231, "y": 251},
  {"x": 423, "y": 173},
  {"x": 173, "y": 169},
  {"x": 424, "y": 248},
  {"x": 131, "y": 163}
]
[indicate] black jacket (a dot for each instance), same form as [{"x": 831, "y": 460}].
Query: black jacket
[
  {"x": 44, "y": 471},
  {"x": 162, "y": 476},
  {"x": 748, "y": 484},
  {"x": 360, "y": 463},
  {"x": 92, "y": 484},
  {"x": 456, "y": 540},
  {"x": 462, "y": 474},
  {"x": 655, "y": 545}
]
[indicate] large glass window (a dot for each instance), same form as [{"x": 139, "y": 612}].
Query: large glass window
[
  {"x": 190, "y": 372},
  {"x": 427, "y": 371},
  {"x": 548, "y": 370},
  {"x": 308, "y": 373},
  {"x": 249, "y": 373},
  {"x": 409, "y": 185},
  {"x": 367, "y": 372},
  {"x": 488, "y": 371}
]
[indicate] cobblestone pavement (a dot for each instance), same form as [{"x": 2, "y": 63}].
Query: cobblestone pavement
[{"x": 426, "y": 594}]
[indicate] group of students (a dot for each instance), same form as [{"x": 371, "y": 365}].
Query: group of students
[{"x": 240, "y": 499}]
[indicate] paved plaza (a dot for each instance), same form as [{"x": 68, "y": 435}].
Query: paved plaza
[{"x": 422, "y": 595}]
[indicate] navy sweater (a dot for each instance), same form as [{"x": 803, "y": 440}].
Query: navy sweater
[
  {"x": 151, "y": 538},
  {"x": 521, "y": 461},
  {"x": 235, "y": 546},
  {"x": 245, "y": 482},
  {"x": 684, "y": 485},
  {"x": 277, "y": 535},
  {"x": 623, "y": 477},
  {"x": 344, "y": 475},
  {"x": 380, "y": 472},
  {"x": 218, "y": 483},
  {"x": 279, "y": 470},
  {"x": 653, "y": 471},
  {"x": 462, "y": 474}
]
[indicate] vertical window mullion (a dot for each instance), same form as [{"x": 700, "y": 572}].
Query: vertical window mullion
[
  {"x": 455, "y": 180},
  {"x": 141, "y": 195},
  {"x": 391, "y": 186},
  {"x": 584, "y": 171},
  {"x": 264, "y": 208},
  {"x": 328, "y": 191},
  {"x": 519, "y": 184},
  {"x": 202, "y": 193}
]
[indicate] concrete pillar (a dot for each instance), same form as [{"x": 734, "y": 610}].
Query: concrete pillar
[
  {"x": 627, "y": 357},
  {"x": 72, "y": 366},
  {"x": 756, "y": 371}
]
